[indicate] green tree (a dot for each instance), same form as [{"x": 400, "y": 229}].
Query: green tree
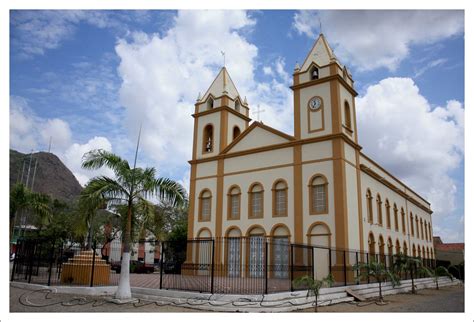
[
  {"x": 314, "y": 286},
  {"x": 129, "y": 187},
  {"x": 378, "y": 272},
  {"x": 22, "y": 199},
  {"x": 405, "y": 263}
]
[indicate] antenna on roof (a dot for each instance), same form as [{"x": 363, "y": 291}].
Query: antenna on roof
[{"x": 320, "y": 26}]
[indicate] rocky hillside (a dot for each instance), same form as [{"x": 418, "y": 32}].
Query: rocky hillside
[{"x": 52, "y": 176}]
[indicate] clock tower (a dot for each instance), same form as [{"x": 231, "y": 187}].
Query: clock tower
[{"x": 323, "y": 95}]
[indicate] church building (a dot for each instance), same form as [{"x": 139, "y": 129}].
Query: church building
[{"x": 314, "y": 186}]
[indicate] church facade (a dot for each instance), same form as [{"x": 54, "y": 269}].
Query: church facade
[{"x": 313, "y": 187}]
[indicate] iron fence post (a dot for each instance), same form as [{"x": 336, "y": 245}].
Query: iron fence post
[
  {"x": 345, "y": 267},
  {"x": 357, "y": 270},
  {"x": 31, "y": 264},
  {"x": 93, "y": 263},
  {"x": 50, "y": 264},
  {"x": 330, "y": 261},
  {"x": 266, "y": 267},
  {"x": 291, "y": 266},
  {"x": 212, "y": 267},
  {"x": 312, "y": 262},
  {"x": 161, "y": 263},
  {"x": 368, "y": 277}
]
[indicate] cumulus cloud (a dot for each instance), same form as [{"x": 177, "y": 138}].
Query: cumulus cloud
[
  {"x": 372, "y": 39},
  {"x": 74, "y": 154},
  {"x": 419, "y": 143},
  {"x": 163, "y": 73}
]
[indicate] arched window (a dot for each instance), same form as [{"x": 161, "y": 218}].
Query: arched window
[
  {"x": 387, "y": 213},
  {"x": 280, "y": 199},
  {"x": 208, "y": 139},
  {"x": 395, "y": 216},
  {"x": 256, "y": 201},
  {"x": 371, "y": 246},
  {"x": 405, "y": 248},
  {"x": 412, "y": 225},
  {"x": 390, "y": 247},
  {"x": 419, "y": 251},
  {"x": 379, "y": 210},
  {"x": 314, "y": 73},
  {"x": 426, "y": 231},
  {"x": 381, "y": 249},
  {"x": 347, "y": 115},
  {"x": 205, "y": 198},
  {"x": 429, "y": 232},
  {"x": 233, "y": 203},
  {"x": 370, "y": 213},
  {"x": 423, "y": 252},
  {"x": 320, "y": 235},
  {"x": 318, "y": 193},
  {"x": 235, "y": 132},
  {"x": 404, "y": 229},
  {"x": 417, "y": 227},
  {"x": 237, "y": 105},
  {"x": 397, "y": 247},
  {"x": 421, "y": 229},
  {"x": 210, "y": 103},
  {"x": 413, "y": 250}
]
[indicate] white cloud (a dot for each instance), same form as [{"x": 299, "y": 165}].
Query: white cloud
[
  {"x": 59, "y": 130},
  {"x": 420, "y": 144},
  {"x": 429, "y": 65},
  {"x": 36, "y": 31},
  {"x": 373, "y": 39},
  {"x": 162, "y": 75},
  {"x": 74, "y": 154}
]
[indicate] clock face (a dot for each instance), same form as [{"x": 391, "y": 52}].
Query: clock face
[{"x": 315, "y": 103}]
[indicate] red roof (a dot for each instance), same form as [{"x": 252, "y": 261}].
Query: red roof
[{"x": 450, "y": 246}]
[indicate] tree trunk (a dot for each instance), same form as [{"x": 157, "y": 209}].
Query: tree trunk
[
  {"x": 437, "y": 287},
  {"x": 123, "y": 291},
  {"x": 316, "y": 303},
  {"x": 380, "y": 292},
  {"x": 412, "y": 281}
]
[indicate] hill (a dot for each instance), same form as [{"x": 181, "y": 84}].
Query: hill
[{"x": 52, "y": 176}]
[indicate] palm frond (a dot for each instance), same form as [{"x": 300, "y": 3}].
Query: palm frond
[{"x": 96, "y": 159}]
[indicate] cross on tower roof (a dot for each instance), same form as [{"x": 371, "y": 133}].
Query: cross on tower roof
[{"x": 258, "y": 111}]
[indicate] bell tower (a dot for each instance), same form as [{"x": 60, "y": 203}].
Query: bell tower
[
  {"x": 220, "y": 116},
  {"x": 323, "y": 95}
]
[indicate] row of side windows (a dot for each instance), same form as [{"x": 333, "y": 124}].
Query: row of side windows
[
  {"x": 426, "y": 233},
  {"x": 422, "y": 252},
  {"x": 317, "y": 190}
]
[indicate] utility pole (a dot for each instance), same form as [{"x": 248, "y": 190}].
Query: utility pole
[{"x": 29, "y": 169}]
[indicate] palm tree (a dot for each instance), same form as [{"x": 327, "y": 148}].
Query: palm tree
[
  {"x": 436, "y": 273},
  {"x": 23, "y": 199},
  {"x": 129, "y": 187},
  {"x": 314, "y": 286},
  {"x": 379, "y": 272},
  {"x": 404, "y": 262}
]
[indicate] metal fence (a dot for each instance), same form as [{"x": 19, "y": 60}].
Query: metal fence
[{"x": 236, "y": 265}]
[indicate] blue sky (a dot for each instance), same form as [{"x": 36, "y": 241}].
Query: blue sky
[{"x": 89, "y": 78}]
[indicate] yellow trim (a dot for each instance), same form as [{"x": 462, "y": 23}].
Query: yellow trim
[
  {"x": 336, "y": 77},
  {"x": 298, "y": 194}
]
